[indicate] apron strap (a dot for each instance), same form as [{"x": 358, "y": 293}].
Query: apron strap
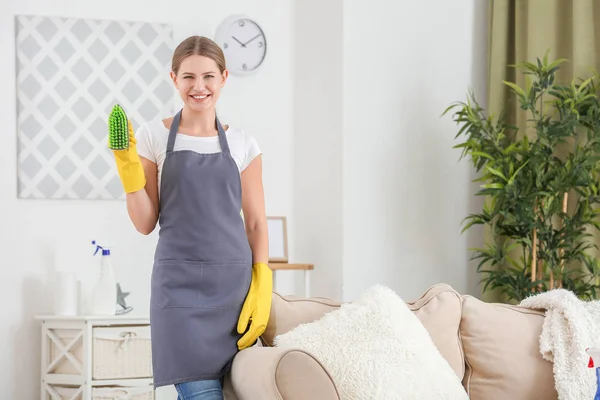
[
  {"x": 222, "y": 138},
  {"x": 175, "y": 127},
  {"x": 173, "y": 131}
]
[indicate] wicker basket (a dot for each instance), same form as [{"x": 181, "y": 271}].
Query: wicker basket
[
  {"x": 121, "y": 353},
  {"x": 123, "y": 393},
  {"x": 104, "y": 393}
]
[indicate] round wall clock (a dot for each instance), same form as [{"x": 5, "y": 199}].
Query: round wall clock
[{"x": 243, "y": 42}]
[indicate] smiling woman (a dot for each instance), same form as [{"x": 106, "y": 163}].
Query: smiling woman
[
  {"x": 199, "y": 73},
  {"x": 211, "y": 283}
]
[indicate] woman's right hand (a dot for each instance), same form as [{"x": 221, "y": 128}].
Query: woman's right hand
[
  {"x": 141, "y": 192},
  {"x": 129, "y": 165}
]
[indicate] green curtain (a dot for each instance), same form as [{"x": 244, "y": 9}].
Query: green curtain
[{"x": 523, "y": 30}]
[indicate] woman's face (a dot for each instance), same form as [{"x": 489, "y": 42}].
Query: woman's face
[{"x": 199, "y": 82}]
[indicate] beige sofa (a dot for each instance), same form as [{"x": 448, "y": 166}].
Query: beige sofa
[{"x": 493, "y": 348}]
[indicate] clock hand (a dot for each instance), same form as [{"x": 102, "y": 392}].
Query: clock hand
[
  {"x": 243, "y": 44},
  {"x": 260, "y": 34}
]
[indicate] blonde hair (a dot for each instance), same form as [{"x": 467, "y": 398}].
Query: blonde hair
[{"x": 201, "y": 46}]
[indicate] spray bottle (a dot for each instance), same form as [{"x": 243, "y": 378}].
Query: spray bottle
[
  {"x": 595, "y": 363},
  {"x": 104, "y": 297}
]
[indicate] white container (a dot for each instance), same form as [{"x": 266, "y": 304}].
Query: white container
[
  {"x": 66, "y": 296},
  {"x": 104, "y": 297}
]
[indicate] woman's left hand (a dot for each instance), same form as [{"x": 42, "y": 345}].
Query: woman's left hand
[{"x": 257, "y": 307}]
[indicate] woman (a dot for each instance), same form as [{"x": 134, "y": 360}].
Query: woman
[{"x": 211, "y": 284}]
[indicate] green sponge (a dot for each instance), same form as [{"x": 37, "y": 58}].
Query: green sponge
[{"x": 118, "y": 130}]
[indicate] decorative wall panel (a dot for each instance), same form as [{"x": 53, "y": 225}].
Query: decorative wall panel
[{"x": 70, "y": 72}]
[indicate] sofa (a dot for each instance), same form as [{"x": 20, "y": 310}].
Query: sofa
[{"x": 493, "y": 348}]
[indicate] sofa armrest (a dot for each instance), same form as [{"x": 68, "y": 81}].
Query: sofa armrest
[{"x": 273, "y": 373}]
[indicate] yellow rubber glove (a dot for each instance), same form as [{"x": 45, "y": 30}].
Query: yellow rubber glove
[
  {"x": 129, "y": 165},
  {"x": 257, "y": 306}
]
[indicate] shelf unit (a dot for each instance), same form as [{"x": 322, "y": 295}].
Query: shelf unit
[{"x": 78, "y": 358}]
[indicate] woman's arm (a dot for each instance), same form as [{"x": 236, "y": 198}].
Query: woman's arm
[
  {"x": 253, "y": 207},
  {"x": 142, "y": 205},
  {"x": 254, "y": 316}
]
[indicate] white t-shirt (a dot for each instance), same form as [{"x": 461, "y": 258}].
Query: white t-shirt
[{"x": 152, "y": 140}]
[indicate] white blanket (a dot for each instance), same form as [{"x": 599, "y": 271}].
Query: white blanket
[{"x": 570, "y": 326}]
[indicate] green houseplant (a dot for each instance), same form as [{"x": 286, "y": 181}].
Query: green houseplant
[{"x": 541, "y": 185}]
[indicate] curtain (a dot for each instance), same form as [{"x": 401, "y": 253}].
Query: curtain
[{"x": 523, "y": 30}]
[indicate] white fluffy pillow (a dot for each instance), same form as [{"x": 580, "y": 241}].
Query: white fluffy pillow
[{"x": 376, "y": 348}]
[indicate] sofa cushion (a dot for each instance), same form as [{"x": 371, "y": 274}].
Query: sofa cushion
[
  {"x": 501, "y": 344},
  {"x": 376, "y": 347},
  {"x": 439, "y": 309}
]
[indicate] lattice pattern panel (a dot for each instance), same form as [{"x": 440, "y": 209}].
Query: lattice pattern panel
[{"x": 70, "y": 72}]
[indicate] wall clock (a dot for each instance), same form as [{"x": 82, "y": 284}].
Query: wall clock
[{"x": 243, "y": 42}]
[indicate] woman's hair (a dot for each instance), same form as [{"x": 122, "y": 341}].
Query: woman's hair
[{"x": 197, "y": 46}]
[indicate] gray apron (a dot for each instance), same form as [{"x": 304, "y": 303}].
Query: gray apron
[{"x": 202, "y": 265}]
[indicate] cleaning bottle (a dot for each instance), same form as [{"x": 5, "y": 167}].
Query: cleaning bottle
[
  {"x": 595, "y": 363},
  {"x": 104, "y": 297}
]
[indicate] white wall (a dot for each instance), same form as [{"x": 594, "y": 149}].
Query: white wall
[
  {"x": 404, "y": 191},
  {"x": 38, "y": 237},
  {"x": 379, "y": 192},
  {"x": 318, "y": 141}
]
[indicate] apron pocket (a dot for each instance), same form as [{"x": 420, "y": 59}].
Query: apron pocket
[{"x": 201, "y": 284}]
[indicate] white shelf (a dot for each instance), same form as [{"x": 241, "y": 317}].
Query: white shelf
[
  {"x": 62, "y": 379},
  {"x": 78, "y": 351},
  {"x": 95, "y": 318}
]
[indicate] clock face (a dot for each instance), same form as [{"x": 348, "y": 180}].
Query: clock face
[{"x": 243, "y": 43}]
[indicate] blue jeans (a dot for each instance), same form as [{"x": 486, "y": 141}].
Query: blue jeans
[{"x": 200, "y": 390}]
